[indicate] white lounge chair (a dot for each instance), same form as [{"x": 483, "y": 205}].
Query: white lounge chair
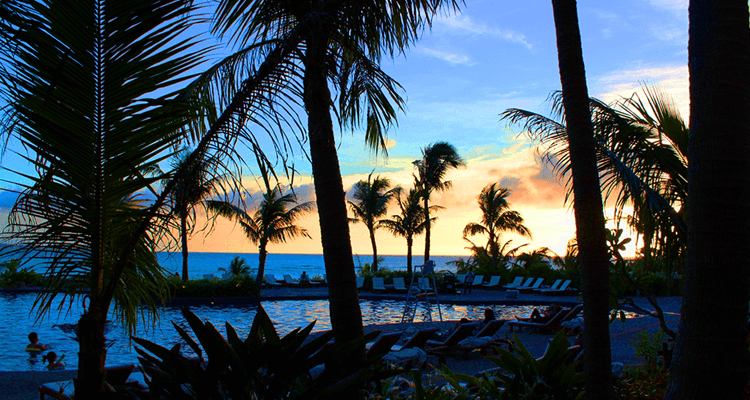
[
  {"x": 460, "y": 278},
  {"x": 399, "y": 284},
  {"x": 271, "y": 281},
  {"x": 533, "y": 287},
  {"x": 518, "y": 281},
  {"x": 289, "y": 281},
  {"x": 478, "y": 280},
  {"x": 378, "y": 284},
  {"x": 554, "y": 286},
  {"x": 561, "y": 289},
  {"x": 360, "y": 282},
  {"x": 493, "y": 283}
]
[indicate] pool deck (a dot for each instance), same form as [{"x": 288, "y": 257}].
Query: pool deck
[{"x": 23, "y": 385}]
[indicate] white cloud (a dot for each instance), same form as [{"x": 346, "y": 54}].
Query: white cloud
[
  {"x": 672, "y": 80},
  {"x": 673, "y": 5},
  {"x": 446, "y": 56},
  {"x": 464, "y": 24}
]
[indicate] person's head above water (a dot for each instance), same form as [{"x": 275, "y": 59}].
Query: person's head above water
[
  {"x": 50, "y": 357},
  {"x": 33, "y": 338},
  {"x": 489, "y": 314}
]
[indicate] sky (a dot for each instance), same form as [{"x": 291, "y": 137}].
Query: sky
[{"x": 464, "y": 72}]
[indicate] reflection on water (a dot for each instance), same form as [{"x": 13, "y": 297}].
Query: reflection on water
[{"x": 16, "y": 322}]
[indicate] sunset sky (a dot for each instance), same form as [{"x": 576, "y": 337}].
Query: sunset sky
[{"x": 469, "y": 68}]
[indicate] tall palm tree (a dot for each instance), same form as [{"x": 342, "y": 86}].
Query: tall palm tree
[
  {"x": 497, "y": 217},
  {"x": 274, "y": 221},
  {"x": 371, "y": 198},
  {"x": 589, "y": 215},
  {"x": 343, "y": 44},
  {"x": 82, "y": 97},
  {"x": 437, "y": 159},
  {"x": 710, "y": 356},
  {"x": 195, "y": 182},
  {"x": 410, "y": 222}
]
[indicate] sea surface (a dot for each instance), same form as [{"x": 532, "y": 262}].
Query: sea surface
[{"x": 280, "y": 264}]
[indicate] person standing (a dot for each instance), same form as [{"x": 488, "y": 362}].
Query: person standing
[{"x": 468, "y": 281}]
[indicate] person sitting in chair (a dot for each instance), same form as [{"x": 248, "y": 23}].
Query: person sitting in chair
[
  {"x": 546, "y": 315},
  {"x": 304, "y": 279}
]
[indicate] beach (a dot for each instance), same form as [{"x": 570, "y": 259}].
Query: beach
[{"x": 23, "y": 385}]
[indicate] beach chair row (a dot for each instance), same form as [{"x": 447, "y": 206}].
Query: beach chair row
[
  {"x": 289, "y": 281},
  {"x": 529, "y": 285}
]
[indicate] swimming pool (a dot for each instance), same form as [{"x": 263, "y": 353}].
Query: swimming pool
[{"x": 16, "y": 323}]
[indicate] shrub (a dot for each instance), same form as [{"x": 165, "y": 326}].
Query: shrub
[
  {"x": 12, "y": 277},
  {"x": 237, "y": 286},
  {"x": 262, "y": 366}
]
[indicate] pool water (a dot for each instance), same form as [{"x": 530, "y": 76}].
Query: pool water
[{"x": 16, "y": 322}]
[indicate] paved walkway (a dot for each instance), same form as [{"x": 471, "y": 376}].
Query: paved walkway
[{"x": 23, "y": 385}]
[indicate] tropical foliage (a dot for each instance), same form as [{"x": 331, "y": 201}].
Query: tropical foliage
[
  {"x": 437, "y": 159},
  {"x": 371, "y": 198},
  {"x": 91, "y": 101},
  {"x": 237, "y": 267},
  {"x": 497, "y": 217},
  {"x": 274, "y": 221},
  {"x": 194, "y": 183},
  {"x": 410, "y": 222}
]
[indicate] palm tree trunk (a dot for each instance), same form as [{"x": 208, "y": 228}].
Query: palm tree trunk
[
  {"x": 711, "y": 352},
  {"x": 92, "y": 355},
  {"x": 427, "y": 229},
  {"x": 184, "y": 234},
  {"x": 346, "y": 316},
  {"x": 262, "y": 253},
  {"x": 374, "y": 250},
  {"x": 590, "y": 230},
  {"x": 409, "y": 243}
]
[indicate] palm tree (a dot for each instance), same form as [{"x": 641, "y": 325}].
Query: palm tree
[
  {"x": 343, "y": 44},
  {"x": 497, "y": 217},
  {"x": 589, "y": 215},
  {"x": 371, "y": 198},
  {"x": 273, "y": 221},
  {"x": 237, "y": 267},
  {"x": 410, "y": 222},
  {"x": 437, "y": 159},
  {"x": 195, "y": 181},
  {"x": 82, "y": 84},
  {"x": 710, "y": 352},
  {"x": 642, "y": 155}
]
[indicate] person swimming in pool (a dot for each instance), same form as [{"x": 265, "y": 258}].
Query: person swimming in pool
[
  {"x": 34, "y": 344},
  {"x": 51, "y": 357}
]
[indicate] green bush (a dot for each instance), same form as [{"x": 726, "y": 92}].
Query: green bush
[
  {"x": 11, "y": 277},
  {"x": 237, "y": 286},
  {"x": 262, "y": 366}
]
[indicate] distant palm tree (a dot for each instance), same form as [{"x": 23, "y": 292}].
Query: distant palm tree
[
  {"x": 371, "y": 198},
  {"x": 541, "y": 257},
  {"x": 497, "y": 217},
  {"x": 410, "y": 222},
  {"x": 273, "y": 220},
  {"x": 237, "y": 267},
  {"x": 436, "y": 160},
  {"x": 195, "y": 182}
]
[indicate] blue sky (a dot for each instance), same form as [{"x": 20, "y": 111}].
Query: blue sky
[{"x": 460, "y": 76}]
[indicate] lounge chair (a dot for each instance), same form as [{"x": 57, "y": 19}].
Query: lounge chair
[
  {"x": 477, "y": 281},
  {"x": 417, "y": 340},
  {"x": 462, "y": 332},
  {"x": 360, "y": 282},
  {"x": 480, "y": 343},
  {"x": 271, "y": 281},
  {"x": 399, "y": 285},
  {"x": 518, "y": 281},
  {"x": 527, "y": 283},
  {"x": 553, "y": 287},
  {"x": 533, "y": 287},
  {"x": 562, "y": 290},
  {"x": 460, "y": 278},
  {"x": 553, "y": 324},
  {"x": 491, "y": 328},
  {"x": 289, "y": 281},
  {"x": 378, "y": 284},
  {"x": 493, "y": 283},
  {"x": 115, "y": 376},
  {"x": 423, "y": 283},
  {"x": 382, "y": 345}
]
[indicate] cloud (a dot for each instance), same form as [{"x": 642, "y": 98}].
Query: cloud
[
  {"x": 672, "y": 80},
  {"x": 463, "y": 24},
  {"x": 452, "y": 58},
  {"x": 672, "y": 5}
]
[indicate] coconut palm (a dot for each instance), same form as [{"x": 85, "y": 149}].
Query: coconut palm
[
  {"x": 587, "y": 205},
  {"x": 497, "y": 217},
  {"x": 82, "y": 84},
  {"x": 237, "y": 267},
  {"x": 274, "y": 221},
  {"x": 410, "y": 222},
  {"x": 437, "y": 159},
  {"x": 709, "y": 357},
  {"x": 195, "y": 182},
  {"x": 371, "y": 198},
  {"x": 337, "y": 44}
]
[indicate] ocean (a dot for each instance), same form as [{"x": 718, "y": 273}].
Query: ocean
[{"x": 280, "y": 264}]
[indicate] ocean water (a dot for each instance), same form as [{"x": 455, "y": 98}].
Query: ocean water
[{"x": 280, "y": 264}]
